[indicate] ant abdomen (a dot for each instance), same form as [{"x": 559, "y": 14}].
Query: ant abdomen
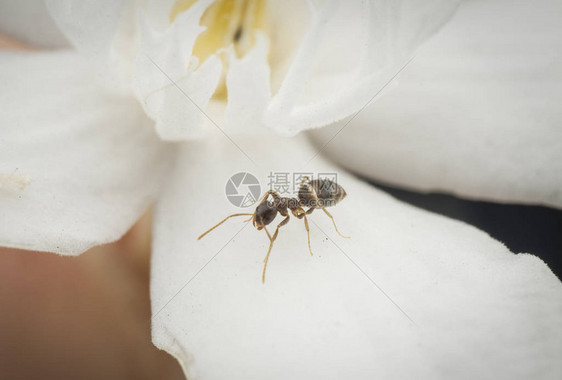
[{"x": 320, "y": 193}]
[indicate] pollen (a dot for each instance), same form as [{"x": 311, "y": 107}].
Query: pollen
[
  {"x": 229, "y": 23},
  {"x": 14, "y": 180}
]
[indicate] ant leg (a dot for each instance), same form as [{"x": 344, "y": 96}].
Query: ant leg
[
  {"x": 307, "y": 234},
  {"x": 267, "y": 232},
  {"x": 333, "y": 221},
  {"x": 221, "y": 222},
  {"x": 273, "y": 193},
  {"x": 300, "y": 213},
  {"x": 272, "y": 239}
]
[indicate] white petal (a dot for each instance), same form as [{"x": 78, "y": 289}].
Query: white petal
[
  {"x": 90, "y": 25},
  {"x": 479, "y": 310},
  {"x": 17, "y": 16},
  {"x": 78, "y": 166},
  {"x": 477, "y": 113},
  {"x": 287, "y": 28},
  {"x": 103, "y": 30},
  {"x": 248, "y": 87},
  {"x": 164, "y": 81},
  {"x": 350, "y": 52}
]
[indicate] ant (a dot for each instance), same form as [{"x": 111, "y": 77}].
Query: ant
[{"x": 313, "y": 194}]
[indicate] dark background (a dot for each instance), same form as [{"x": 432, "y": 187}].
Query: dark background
[{"x": 528, "y": 229}]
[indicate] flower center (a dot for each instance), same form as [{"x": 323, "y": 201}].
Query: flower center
[{"x": 228, "y": 22}]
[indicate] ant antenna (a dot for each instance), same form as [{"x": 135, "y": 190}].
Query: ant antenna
[{"x": 222, "y": 221}]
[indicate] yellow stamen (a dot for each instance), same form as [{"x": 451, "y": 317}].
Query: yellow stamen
[{"x": 228, "y": 22}]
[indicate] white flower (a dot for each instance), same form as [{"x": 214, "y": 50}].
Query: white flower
[
  {"x": 483, "y": 94},
  {"x": 411, "y": 295},
  {"x": 322, "y": 69}
]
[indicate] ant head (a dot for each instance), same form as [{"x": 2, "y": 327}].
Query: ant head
[{"x": 265, "y": 213}]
